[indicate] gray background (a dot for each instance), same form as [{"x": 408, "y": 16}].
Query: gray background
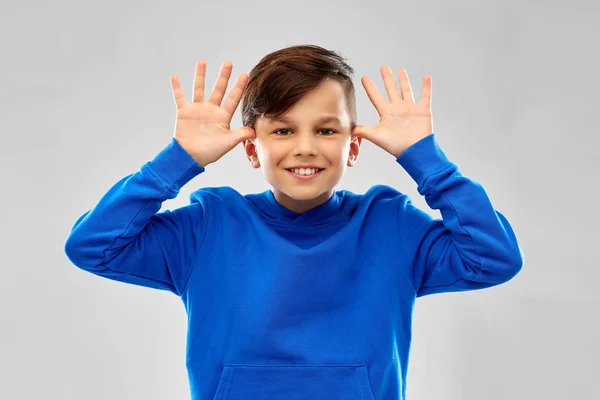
[{"x": 86, "y": 100}]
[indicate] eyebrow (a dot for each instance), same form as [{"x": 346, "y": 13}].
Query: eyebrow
[{"x": 322, "y": 120}]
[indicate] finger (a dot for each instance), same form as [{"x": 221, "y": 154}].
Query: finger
[
  {"x": 426, "y": 92},
  {"x": 243, "y": 133},
  {"x": 390, "y": 84},
  {"x": 363, "y": 131},
  {"x": 221, "y": 84},
  {"x": 407, "y": 93},
  {"x": 233, "y": 100},
  {"x": 199, "y": 82},
  {"x": 177, "y": 92},
  {"x": 239, "y": 135},
  {"x": 376, "y": 98}
]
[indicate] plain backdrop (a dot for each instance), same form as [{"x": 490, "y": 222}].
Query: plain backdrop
[{"x": 86, "y": 99}]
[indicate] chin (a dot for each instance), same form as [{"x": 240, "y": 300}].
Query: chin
[
  {"x": 303, "y": 196},
  {"x": 305, "y": 193}
]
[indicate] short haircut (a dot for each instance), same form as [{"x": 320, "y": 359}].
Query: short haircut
[{"x": 283, "y": 77}]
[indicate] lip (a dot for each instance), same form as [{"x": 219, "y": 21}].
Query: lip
[{"x": 304, "y": 177}]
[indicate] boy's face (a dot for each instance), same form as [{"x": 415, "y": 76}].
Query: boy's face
[{"x": 306, "y": 141}]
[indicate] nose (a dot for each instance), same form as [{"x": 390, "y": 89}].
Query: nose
[{"x": 305, "y": 144}]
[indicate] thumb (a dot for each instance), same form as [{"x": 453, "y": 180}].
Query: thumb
[
  {"x": 240, "y": 134},
  {"x": 364, "y": 131},
  {"x": 244, "y": 132}
]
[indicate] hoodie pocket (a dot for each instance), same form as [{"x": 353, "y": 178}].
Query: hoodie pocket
[{"x": 294, "y": 382}]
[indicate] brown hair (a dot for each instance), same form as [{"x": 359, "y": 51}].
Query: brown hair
[{"x": 283, "y": 77}]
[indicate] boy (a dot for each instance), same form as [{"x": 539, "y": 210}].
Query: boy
[{"x": 300, "y": 292}]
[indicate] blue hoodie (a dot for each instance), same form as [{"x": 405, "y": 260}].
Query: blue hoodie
[{"x": 293, "y": 306}]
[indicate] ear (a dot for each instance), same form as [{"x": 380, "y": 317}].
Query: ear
[
  {"x": 250, "y": 151},
  {"x": 355, "y": 142}
]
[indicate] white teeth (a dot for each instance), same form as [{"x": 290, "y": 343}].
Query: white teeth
[{"x": 305, "y": 171}]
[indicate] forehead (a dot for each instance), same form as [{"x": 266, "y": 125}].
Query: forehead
[
  {"x": 325, "y": 103},
  {"x": 319, "y": 120}
]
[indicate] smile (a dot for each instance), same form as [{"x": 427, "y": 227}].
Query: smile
[{"x": 304, "y": 177}]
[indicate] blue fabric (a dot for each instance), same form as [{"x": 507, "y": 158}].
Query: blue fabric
[{"x": 283, "y": 305}]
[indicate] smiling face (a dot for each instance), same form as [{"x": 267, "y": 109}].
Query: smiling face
[{"x": 304, "y": 137}]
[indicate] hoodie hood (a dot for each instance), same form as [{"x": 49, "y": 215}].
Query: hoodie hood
[{"x": 336, "y": 209}]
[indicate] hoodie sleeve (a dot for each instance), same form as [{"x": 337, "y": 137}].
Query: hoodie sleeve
[
  {"x": 472, "y": 247},
  {"x": 123, "y": 238}
]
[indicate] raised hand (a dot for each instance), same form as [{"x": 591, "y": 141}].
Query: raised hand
[
  {"x": 403, "y": 122},
  {"x": 202, "y": 127}
]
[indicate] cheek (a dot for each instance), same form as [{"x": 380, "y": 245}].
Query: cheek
[
  {"x": 337, "y": 155},
  {"x": 271, "y": 158}
]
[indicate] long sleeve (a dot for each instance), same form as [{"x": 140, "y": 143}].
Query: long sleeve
[
  {"x": 123, "y": 238},
  {"x": 472, "y": 247}
]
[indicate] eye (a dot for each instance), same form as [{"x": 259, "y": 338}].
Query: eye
[
  {"x": 324, "y": 129},
  {"x": 330, "y": 130}
]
